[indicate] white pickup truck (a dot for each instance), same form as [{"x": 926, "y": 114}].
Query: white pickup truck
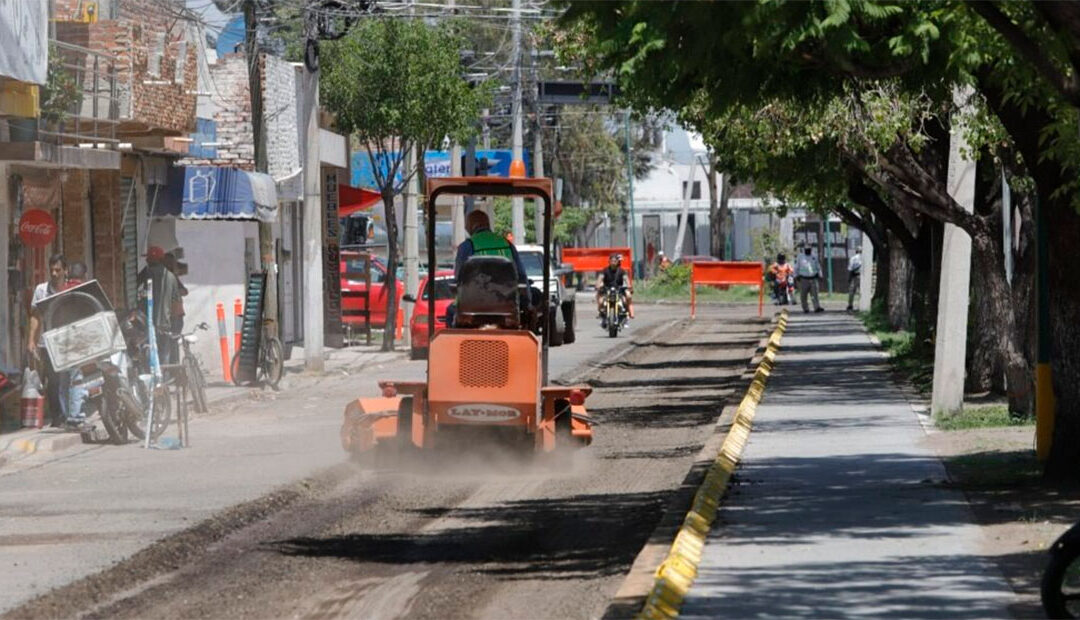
[{"x": 562, "y": 304}]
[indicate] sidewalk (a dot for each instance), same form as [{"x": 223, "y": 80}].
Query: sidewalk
[
  {"x": 838, "y": 509},
  {"x": 19, "y": 444}
]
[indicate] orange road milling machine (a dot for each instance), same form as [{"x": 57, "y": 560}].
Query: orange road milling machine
[{"x": 487, "y": 375}]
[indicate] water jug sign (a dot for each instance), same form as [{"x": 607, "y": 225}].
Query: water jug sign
[{"x": 37, "y": 228}]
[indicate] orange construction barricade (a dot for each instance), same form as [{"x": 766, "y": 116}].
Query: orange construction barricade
[
  {"x": 727, "y": 272},
  {"x": 585, "y": 260}
]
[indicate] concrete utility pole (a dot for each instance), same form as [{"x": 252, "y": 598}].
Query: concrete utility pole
[
  {"x": 312, "y": 221},
  {"x": 538, "y": 172},
  {"x": 518, "y": 210},
  {"x": 951, "y": 341},
  {"x": 457, "y": 207},
  {"x": 866, "y": 276},
  {"x": 412, "y": 248},
  {"x": 262, "y": 163}
]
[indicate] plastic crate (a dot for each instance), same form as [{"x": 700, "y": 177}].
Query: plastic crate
[{"x": 84, "y": 341}]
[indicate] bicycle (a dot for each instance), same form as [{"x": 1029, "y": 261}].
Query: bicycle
[
  {"x": 194, "y": 380},
  {"x": 271, "y": 365}
]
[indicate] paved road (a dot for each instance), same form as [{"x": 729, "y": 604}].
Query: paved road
[
  {"x": 66, "y": 516},
  {"x": 840, "y": 509},
  {"x": 483, "y": 537}
]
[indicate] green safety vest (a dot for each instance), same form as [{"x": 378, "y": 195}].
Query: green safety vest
[{"x": 487, "y": 243}]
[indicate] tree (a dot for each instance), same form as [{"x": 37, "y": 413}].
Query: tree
[
  {"x": 1021, "y": 56},
  {"x": 395, "y": 85}
]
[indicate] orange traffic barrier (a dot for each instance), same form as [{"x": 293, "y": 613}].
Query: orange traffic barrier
[
  {"x": 226, "y": 365},
  {"x": 596, "y": 259},
  {"x": 238, "y": 324},
  {"x": 727, "y": 272}
]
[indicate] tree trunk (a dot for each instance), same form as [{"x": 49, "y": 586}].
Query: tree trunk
[
  {"x": 988, "y": 258},
  {"x": 900, "y": 283},
  {"x": 982, "y": 367},
  {"x": 718, "y": 212},
  {"x": 884, "y": 268},
  {"x": 925, "y": 258},
  {"x": 1065, "y": 337},
  {"x": 389, "y": 330}
]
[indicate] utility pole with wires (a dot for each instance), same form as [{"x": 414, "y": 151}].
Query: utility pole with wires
[
  {"x": 517, "y": 166},
  {"x": 262, "y": 164}
]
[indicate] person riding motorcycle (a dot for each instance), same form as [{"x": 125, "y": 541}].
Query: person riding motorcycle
[
  {"x": 781, "y": 273},
  {"x": 614, "y": 275}
]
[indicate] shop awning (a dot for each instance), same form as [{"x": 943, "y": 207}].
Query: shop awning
[
  {"x": 353, "y": 199},
  {"x": 213, "y": 193}
]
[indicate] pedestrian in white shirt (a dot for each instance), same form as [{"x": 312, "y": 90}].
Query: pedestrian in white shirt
[
  {"x": 854, "y": 266},
  {"x": 807, "y": 274}
]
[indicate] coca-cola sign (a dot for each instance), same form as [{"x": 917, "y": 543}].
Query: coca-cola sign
[{"x": 37, "y": 228}]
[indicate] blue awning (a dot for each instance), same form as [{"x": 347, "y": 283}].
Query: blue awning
[{"x": 213, "y": 193}]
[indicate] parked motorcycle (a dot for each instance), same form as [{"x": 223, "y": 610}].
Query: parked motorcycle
[
  {"x": 1061, "y": 579},
  {"x": 613, "y": 314}
]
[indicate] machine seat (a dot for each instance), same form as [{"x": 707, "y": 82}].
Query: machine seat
[{"x": 487, "y": 293}]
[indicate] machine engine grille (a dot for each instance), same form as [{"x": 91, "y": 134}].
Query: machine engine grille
[{"x": 484, "y": 363}]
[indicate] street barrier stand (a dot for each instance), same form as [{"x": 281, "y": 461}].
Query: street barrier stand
[
  {"x": 226, "y": 370},
  {"x": 726, "y": 273}
]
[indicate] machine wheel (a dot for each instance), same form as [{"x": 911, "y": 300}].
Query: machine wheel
[
  {"x": 404, "y": 422},
  {"x": 569, "y": 321},
  {"x": 417, "y": 353}
]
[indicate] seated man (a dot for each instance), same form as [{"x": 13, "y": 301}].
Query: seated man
[
  {"x": 483, "y": 242},
  {"x": 613, "y": 275}
]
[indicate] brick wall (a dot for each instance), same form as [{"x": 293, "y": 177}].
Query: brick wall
[
  {"x": 280, "y": 112},
  {"x": 74, "y": 186},
  {"x": 107, "y": 214},
  {"x": 232, "y": 102},
  {"x": 156, "y": 103}
]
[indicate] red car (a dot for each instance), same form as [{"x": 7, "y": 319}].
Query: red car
[
  {"x": 418, "y": 325},
  {"x": 353, "y": 285}
]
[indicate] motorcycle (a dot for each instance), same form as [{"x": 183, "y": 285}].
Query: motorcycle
[
  {"x": 613, "y": 316},
  {"x": 1060, "y": 589},
  {"x": 784, "y": 291}
]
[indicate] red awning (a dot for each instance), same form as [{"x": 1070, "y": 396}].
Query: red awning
[{"x": 355, "y": 199}]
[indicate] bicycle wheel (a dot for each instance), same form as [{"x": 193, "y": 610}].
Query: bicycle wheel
[
  {"x": 195, "y": 383},
  {"x": 273, "y": 362},
  {"x": 1061, "y": 581}
]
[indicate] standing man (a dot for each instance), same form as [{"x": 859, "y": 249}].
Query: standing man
[
  {"x": 56, "y": 383},
  {"x": 854, "y": 266},
  {"x": 807, "y": 274},
  {"x": 166, "y": 299},
  {"x": 178, "y": 307}
]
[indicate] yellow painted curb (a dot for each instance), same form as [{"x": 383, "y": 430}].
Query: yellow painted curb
[{"x": 676, "y": 573}]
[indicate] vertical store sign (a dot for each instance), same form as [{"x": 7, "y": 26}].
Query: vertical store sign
[{"x": 332, "y": 327}]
